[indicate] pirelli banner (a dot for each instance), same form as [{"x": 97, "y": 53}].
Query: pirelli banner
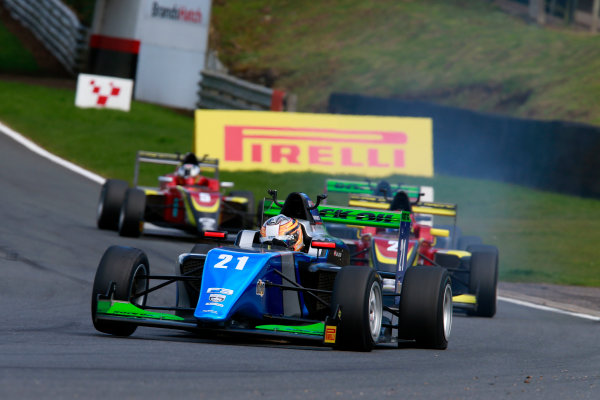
[{"x": 328, "y": 143}]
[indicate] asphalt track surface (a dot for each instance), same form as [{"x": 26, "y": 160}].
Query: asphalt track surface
[{"x": 49, "y": 250}]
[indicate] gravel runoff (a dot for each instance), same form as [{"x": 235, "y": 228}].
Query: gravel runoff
[{"x": 577, "y": 299}]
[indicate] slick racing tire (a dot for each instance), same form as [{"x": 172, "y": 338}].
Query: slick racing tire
[
  {"x": 248, "y": 216},
  {"x": 124, "y": 266},
  {"x": 483, "y": 280},
  {"x": 466, "y": 241},
  {"x": 260, "y": 217},
  {"x": 111, "y": 199},
  {"x": 426, "y": 307},
  {"x": 357, "y": 291},
  {"x": 131, "y": 218}
]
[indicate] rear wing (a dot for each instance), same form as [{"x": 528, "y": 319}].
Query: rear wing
[
  {"x": 431, "y": 208},
  {"x": 415, "y": 193},
  {"x": 422, "y": 207},
  {"x": 356, "y": 217},
  {"x": 153, "y": 157},
  {"x": 424, "y": 211},
  {"x": 350, "y": 216}
]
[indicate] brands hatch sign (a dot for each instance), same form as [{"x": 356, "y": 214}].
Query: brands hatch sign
[
  {"x": 292, "y": 142},
  {"x": 177, "y": 13}
]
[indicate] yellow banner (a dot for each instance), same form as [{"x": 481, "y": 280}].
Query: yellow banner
[{"x": 330, "y": 143}]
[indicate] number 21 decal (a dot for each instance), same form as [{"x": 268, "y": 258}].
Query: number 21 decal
[{"x": 226, "y": 258}]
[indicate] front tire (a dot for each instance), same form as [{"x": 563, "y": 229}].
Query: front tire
[
  {"x": 111, "y": 199},
  {"x": 124, "y": 266},
  {"x": 357, "y": 291},
  {"x": 483, "y": 280},
  {"x": 426, "y": 307},
  {"x": 131, "y": 219}
]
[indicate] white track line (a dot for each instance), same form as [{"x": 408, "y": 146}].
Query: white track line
[
  {"x": 546, "y": 308},
  {"x": 97, "y": 178},
  {"x": 38, "y": 150}
]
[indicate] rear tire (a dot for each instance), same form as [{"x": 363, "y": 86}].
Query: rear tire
[
  {"x": 483, "y": 280},
  {"x": 260, "y": 212},
  {"x": 121, "y": 265},
  {"x": 357, "y": 291},
  {"x": 248, "y": 216},
  {"x": 111, "y": 199},
  {"x": 131, "y": 219},
  {"x": 426, "y": 307},
  {"x": 465, "y": 241}
]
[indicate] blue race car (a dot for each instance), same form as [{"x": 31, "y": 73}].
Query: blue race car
[{"x": 256, "y": 286}]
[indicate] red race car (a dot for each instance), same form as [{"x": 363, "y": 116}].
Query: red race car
[
  {"x": 473, "y": 266},
  {"x": 186, "y": 200}
]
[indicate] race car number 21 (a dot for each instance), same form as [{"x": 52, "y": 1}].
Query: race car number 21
[{"x": 226, "y": 258}]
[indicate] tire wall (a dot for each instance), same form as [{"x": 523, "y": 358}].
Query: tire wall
[{"x": 550, "y": 155}]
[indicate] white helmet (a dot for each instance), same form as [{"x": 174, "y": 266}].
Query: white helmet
[{"x": 188, "y": 171}]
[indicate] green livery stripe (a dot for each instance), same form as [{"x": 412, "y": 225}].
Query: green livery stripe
[
  {"x": 126, "y": 309},
  {"x": 314, "y": 329},
  {"x": 351, "y": 216}
]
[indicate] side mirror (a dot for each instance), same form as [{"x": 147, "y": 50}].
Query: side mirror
[
  {"x": 165, "y": 179},
  {"x": 226, "y": 184}
]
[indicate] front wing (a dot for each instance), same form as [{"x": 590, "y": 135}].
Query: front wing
[{"x": 123, "y": 311}]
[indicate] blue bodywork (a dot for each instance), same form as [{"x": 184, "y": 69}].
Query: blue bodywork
[{"x": 238, "y": 281}]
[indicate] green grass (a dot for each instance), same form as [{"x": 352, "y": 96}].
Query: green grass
[
  {"x": 104, "y": 141},
  {"x": 464, "y": 53},
  {"x": 542, "y": 237},
  {"x": 13, "y": 57}
]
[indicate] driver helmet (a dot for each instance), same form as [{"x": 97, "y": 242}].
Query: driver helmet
[
  {"x": 188, "y": 171},
  {"x": 283, "y": 230}
]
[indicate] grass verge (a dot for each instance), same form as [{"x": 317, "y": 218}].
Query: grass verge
[
  {"x": 467, "y": 54},
  {"x": 13, "y": 57}
]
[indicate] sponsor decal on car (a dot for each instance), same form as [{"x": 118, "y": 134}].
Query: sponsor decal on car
[
  {"x": 330, "y": 334},
  {"x": 226, "y": 292},
  {"x": 217, "y": 298}
]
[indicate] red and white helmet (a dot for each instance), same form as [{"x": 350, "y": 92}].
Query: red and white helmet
[{"x": 282, "y": 230}]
